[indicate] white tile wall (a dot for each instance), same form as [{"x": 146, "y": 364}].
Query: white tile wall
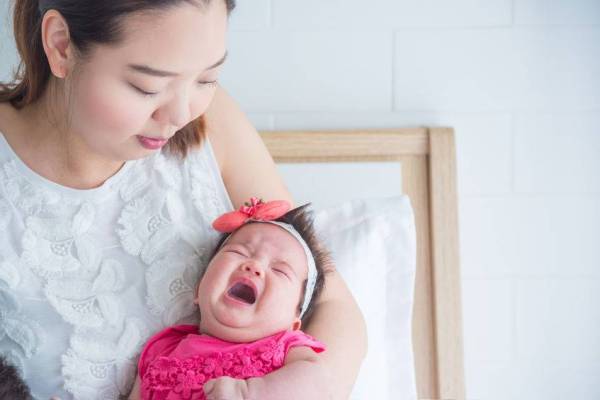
[
  {"x": 251, "y": 15},
  {"x": 388, "y": 14},
  {"x": 558, "y": 12},
  {"x": 543, "y": 140},
  {"x": 520, "y": 82},
  {"x": 8, "y": 53},
  {"x": 489, "y": 320},
  {"x": 530, "y": 236},
  {"x": 558, "y": 320},
  {"x": 498, "y": 69},
  {"x": 323, "y": 71}
]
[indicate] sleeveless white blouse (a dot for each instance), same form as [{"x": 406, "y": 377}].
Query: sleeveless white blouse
[{"x": 86, "y": 276}]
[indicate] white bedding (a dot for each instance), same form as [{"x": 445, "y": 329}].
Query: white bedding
[{"x": 373, "y": 243}]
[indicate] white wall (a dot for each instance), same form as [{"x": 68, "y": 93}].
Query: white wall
[{"x": 519, "y": 80}]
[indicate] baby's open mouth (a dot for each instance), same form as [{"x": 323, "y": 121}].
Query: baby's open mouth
[{"x": 243, "y": 292}]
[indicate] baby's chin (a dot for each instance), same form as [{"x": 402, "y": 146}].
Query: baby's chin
[{"x": 235, "y": 334}]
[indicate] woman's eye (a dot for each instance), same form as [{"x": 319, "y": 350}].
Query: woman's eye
[
  {"x": 143, "y": 92},
  {"x": 207, "y": 83}
]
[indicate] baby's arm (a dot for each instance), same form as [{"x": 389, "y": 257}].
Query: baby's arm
[
  {"x": 135, "y": 392},
  {"x": 302, "y": 366},
  {"x": 290, "y": 383}
]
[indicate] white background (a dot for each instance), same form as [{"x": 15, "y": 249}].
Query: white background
[{"x": 519, "y": 80}]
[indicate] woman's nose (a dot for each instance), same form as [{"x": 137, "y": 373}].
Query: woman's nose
[
  {"x": 253, "y": 268},
  {"x": 175, "y": 113}
]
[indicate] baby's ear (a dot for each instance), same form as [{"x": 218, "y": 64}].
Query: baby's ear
[{"x": 297, "y": 324}]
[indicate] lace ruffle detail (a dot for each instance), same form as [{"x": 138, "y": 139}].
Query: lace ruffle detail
[
  {"x": 148, "y": 229},
  {"x": 17, "y": 328},
  {"x": 205, "y": 201},
  {"x": 98, "y": 365},
  {"x": 64, "y": 249},
  {"x": 58, "y": 248},
  {"x": 22, "y": 194},
  {"x": 171, "y": 286},
  {"x": 89, "y": 303},
  {"x": 185, "y": 378}
]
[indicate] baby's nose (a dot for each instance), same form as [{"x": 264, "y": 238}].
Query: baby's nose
[{"x": 253, "y": 267}]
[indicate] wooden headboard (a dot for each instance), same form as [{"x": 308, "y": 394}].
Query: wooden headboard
[{"x": 428, "y": 160}]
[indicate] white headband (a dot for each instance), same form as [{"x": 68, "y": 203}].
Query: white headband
[{"x": 311, "y": 279}]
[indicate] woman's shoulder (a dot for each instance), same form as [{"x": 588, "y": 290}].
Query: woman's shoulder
[{"x": 244, "y": 161}]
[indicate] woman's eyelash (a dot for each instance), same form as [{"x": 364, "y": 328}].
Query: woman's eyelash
[
  {"x": 150, "y": 94},
  {"x": 143, "y": 92},
  {"x": 207, "y": 83}
]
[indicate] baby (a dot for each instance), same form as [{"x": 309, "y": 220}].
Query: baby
[{"x": 255, "y": 294}]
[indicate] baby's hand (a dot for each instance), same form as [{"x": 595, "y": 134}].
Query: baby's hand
[{"x": 226, "y": 388}]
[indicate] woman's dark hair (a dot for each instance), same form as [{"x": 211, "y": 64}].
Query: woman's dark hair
[
  {"x": 302, "y": 220},
  {"x": 90, "y": 22}
]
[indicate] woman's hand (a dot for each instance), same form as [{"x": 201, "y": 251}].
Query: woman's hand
[{"x": 226, "y": 388}]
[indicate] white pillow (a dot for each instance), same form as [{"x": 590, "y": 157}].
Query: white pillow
[{"x": 373, "y": 244}]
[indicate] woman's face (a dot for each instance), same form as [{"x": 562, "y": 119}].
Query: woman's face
[
  {"x": 129, "y": 98},
  {"x": 252, "y": 287}
]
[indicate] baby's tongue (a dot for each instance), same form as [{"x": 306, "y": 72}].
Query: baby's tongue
[{"x": 243, "y": 292}]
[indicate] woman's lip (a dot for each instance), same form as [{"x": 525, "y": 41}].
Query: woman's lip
[{"x": 151, "y": 143}]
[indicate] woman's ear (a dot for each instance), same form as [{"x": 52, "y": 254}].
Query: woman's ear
[{"x": 57, "y": 43}]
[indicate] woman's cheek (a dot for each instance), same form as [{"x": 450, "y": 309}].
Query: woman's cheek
[
  {"x": 201, "y": 103},
  {"x": 114, "y": 109}
]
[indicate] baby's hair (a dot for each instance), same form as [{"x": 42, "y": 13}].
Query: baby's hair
[
  {"x": 11, "y": 385},
  {"x": 302, "y": 220}
]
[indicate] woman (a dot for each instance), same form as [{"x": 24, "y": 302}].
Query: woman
[{"x": 118, "y": 149}]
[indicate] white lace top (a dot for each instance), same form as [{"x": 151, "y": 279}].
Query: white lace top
[{"x": 86, "y": 276}]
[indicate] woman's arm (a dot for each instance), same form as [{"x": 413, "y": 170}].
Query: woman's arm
[
  {"x": 338, "y": 322},
  {"x": 248, "y": 170},
  {"x": 246, "y": 165}
]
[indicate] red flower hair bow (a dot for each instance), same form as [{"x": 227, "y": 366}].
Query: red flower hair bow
[{"x": 256, "y": 210}]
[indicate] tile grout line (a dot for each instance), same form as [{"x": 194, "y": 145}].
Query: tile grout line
[
  {"x": 513, "y": 156},
  {"x": 270, "y": 16},
  {"x": 513, "y": 12},
  {"x": 393, "y": 74},
  {"x": 514, "y": 330}
]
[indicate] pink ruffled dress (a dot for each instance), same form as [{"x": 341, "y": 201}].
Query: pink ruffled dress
[{"x": 177, "y": 361}]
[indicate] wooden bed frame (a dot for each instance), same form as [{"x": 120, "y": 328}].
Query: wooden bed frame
[{"x": 427, "y": 157}]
